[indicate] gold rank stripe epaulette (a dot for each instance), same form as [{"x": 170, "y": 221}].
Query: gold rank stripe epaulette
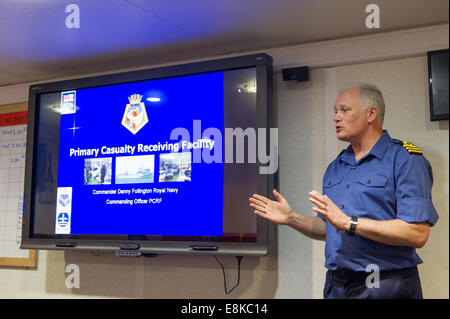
[{"x": 410, "y": 147}]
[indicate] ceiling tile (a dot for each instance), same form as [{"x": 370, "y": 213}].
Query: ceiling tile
[
  {"x": 7, "y": 78},
  {"x": 105, "y": 26},
  {"x": 11, "y": 9}
]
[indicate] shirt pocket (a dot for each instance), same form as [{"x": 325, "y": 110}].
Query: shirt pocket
[
  {"x": 373, "y": 181},
  {"x": 371, "y": 195},
  {"x": 331, "y": 185}
]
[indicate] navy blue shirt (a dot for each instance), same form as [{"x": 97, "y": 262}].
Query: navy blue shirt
[{"x": 388, "y": 183}]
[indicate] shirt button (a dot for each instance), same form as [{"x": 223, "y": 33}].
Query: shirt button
[
  {"x": 368, "y": 181},
  {"x": 342, "y": 206},
  {"x": 347, "y": 186},
  {"x": 329, "y": 183},
  {"x": 339, "y": 252},
  {"x": 353, "y": 167}
]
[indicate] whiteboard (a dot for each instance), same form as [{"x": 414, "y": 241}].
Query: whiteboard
[{"x": 13, "y": 130}]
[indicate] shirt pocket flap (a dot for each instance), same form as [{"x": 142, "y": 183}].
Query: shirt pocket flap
[
  {"x": 373, "y": 180},
  {"x": 331, "y": 181}
]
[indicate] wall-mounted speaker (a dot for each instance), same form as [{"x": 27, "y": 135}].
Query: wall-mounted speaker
[{"x": 299, "y": 74}]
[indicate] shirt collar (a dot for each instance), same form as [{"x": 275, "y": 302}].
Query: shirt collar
[
  {"x": 378, "y": 150},
  {"x": 381, "y": 146}
]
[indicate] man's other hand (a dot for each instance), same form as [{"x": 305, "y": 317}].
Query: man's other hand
[{"x": 277, "y": 211}]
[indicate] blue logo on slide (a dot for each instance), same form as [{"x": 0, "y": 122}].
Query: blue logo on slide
[
  {"x": 64, "y": 200},
  {"x": 63, "y": 220}
]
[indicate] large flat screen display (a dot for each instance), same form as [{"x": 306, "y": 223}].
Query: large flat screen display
[{"x": 138, "y": 160}]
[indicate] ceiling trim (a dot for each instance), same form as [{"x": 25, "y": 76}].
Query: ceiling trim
[
  {"x": 354, "y": 50},
  {"x": 362, "y": 49}
]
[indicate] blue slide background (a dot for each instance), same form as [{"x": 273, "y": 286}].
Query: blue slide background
[{"x": 196, "y": 210}]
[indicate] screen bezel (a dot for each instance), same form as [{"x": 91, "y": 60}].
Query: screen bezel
[
  {"x": 433, "y": 115},
  {"x": 265, "y": 183}
]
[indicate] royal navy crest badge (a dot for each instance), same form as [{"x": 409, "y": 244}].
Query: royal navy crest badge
[{"x": 135, "y": 116}]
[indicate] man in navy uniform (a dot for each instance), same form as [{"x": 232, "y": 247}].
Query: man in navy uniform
[{"x": 375, "y": 208}]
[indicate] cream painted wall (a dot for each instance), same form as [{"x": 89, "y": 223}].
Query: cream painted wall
[
  {"x": 300, "y": 128},
  {"x": 307, "y": 145}
]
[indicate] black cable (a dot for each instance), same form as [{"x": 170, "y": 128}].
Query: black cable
[{"x": 239, "y": 258}]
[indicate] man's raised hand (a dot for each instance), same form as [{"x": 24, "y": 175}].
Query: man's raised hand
[{"x": 277, "y": 211}]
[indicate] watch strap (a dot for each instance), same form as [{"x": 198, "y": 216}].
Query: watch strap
[{"x": 353, "y": 223}]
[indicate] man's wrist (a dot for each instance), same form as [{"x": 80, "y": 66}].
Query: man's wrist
[
  {"x": 347, "y": 223},
  {"x": 290, "y": 217},
  {"x": 353, "y": 223}
]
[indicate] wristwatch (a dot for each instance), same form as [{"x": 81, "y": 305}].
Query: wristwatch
[{"x": 353, "y": 224}]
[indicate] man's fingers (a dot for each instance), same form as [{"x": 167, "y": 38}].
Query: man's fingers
[
  {"x": 317, "y": 203},
  {"x": 260, "y": 213},
  {"x": 320, "y": 211},
  {"x": 317, "y": 196},
  {"x": 327, "y": 200},
  {"x": 257, "y": 202},
  {"x": 257, "y": 206},
  {"x": 277, "y": 195},
  {"x": 265, "y": 200}
]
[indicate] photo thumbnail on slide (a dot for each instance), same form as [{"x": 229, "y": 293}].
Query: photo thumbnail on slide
[
  {"x": 97, "y": 171},
  {"x": 175, "y": 167},
  {"x": 135, "y": 169}
]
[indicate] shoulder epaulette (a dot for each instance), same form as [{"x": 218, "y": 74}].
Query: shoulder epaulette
[{"x": 410, "y": 147}]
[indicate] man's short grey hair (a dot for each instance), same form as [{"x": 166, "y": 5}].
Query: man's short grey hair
[{"x": 371, "y": 94}]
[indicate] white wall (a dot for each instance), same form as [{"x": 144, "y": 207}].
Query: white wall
[{"x": 307, "y": 144}]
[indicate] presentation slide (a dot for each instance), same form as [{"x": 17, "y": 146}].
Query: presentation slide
[{"x": 120, "y": 173}]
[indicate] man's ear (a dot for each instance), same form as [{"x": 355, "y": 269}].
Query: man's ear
[{"x": 372, "y": 113}]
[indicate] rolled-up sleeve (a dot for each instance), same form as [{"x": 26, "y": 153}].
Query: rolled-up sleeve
[{"x": 414, "y": 179}]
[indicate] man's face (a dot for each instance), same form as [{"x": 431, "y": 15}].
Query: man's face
[{"x": 350, "y": 116}]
